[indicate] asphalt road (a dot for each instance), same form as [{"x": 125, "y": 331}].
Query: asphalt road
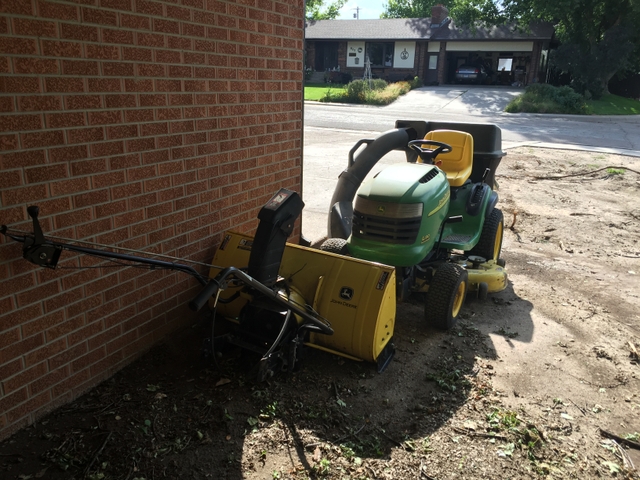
[{"x": 331, "y": 130}]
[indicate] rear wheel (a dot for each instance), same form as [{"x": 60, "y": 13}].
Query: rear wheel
[
  {"x": 445, "y": 296},
  {"x": 335, "y": 245},
  {"x": 490, "y": 242}
]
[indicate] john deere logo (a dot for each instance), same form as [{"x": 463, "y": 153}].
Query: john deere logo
[
  {"x": 346, "y": 293},
  {"x": 381, "y": 209}
]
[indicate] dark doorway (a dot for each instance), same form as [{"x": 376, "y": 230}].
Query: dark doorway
[
  {"x": 326, "y": 56},
  {"x": 431, "y": 72}
]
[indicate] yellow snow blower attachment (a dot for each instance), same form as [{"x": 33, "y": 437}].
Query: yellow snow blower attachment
[{"x": 290, "y": 296}]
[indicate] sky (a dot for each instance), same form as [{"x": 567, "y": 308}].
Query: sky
[{"x": 368, "y": 9}]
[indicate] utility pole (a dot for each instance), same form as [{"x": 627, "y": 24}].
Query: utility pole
[{"x": 357, "y": 14}]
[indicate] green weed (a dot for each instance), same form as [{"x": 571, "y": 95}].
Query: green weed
[{"x": 450, "y": 380}]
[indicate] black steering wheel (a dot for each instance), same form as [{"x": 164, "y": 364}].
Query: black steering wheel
[{"x": 426, "y": 154}]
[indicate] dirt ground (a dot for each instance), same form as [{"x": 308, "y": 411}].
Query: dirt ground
[{"x": 530, "y": 383}]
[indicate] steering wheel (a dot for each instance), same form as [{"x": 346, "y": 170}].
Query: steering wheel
[{"x": 426, "y": 154}]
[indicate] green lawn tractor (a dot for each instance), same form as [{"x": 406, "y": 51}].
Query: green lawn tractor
[{"x": 433, "y": 218}]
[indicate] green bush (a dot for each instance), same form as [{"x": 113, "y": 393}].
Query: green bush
[
  {"x": 378, "y": 84},
  {"x": 543, "y": 98},
  {"x": 356, "y": 91},
  {"x": 335, "y": 96},
  {"x": 380, "y": 93}
]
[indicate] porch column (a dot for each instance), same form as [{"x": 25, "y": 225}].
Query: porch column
[{"x": 442, "y": 56}]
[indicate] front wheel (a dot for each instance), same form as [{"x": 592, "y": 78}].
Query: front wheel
[
  {"x": 335, "y": 245},
  {"x": 490, "y": 242},
  {"x": 445, "y": 296},
  {"x": 483, "y": 290}
]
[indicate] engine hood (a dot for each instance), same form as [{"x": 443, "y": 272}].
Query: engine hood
[
  {"x": 405, "y": 183},
  {"x": 398, "y": 213}
]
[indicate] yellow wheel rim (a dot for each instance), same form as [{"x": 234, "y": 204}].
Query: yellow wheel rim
[
  {"x": 459, "y": 299},
  {"x": 498, "y": 242}
]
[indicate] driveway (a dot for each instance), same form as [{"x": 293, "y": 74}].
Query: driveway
[
  {"x": 457, "y": 100},
  {"x": 331, "y": 130}
]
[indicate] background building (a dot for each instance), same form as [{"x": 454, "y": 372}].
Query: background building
[{"x": 430, "y": 48}]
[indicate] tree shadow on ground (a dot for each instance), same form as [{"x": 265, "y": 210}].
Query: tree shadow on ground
[{"x": 170, "y": 415}]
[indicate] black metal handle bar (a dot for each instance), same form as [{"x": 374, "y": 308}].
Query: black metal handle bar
[
  {"x": 203, "y": 297},
  {"x": 30, "y": 240}
]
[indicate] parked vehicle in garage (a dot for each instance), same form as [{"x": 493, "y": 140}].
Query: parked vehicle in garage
[{"x": 470, "y": 74}]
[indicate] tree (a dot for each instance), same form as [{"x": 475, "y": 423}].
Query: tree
[
  {"x": 407, "y": 9},
  {"x": 314, "y": 9},
  {"x": 598, "y": 37}
]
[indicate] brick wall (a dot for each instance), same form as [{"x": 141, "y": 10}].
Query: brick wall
[{"x": 148, "y": 124}]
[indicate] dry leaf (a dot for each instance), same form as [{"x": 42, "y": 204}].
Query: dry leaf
[{"x": 317, "y": 456}]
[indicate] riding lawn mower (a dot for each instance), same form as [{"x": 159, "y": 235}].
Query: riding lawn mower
[
  {"x": 429, "y": 226},
  {"x": 433, "y": 218}
]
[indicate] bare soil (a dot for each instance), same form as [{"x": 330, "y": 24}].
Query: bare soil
[{"x": 528, "y": 384}]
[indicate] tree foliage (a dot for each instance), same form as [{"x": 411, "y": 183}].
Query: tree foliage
[
  {"x": 598, "y": 37},
  {"x": 317, "y": 10},
  {"x": 407, "y": 9}
]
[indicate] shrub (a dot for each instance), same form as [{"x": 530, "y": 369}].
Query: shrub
[
  {"x": 307, "y": 73},
  {"x": 380, "y": 93},
  {"x": 337, "y": 77},
  {"x": 544, "y": 98},
  {"x": 356, "y": 91},
  {"x": 378, "y": 84},
  {"x": 389, "y": 94},
  {"x": 335, "y": 96}
]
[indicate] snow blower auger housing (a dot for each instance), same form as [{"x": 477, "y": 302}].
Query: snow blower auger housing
[
  {"x": 294, "y": 285},
  {"x": 433, "y": 218},
  {"x": 277, "y": 297}
]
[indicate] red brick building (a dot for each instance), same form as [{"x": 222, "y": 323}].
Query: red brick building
[{"x": 147, "y": 124}]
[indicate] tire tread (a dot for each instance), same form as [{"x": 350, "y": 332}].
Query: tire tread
[
  {"x": 440, "y": 296},
  {"x": 484, "y": 247}
]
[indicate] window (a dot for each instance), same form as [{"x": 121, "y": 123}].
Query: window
[
  {"x": 380, "y": 54},
  {"x": 433, "y": 62},
  {"x": 505, "y": 64}
]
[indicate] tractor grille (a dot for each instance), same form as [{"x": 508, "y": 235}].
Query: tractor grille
[
  {"x": 386, "y": 222},
  {"x": 457, "y": 238}
]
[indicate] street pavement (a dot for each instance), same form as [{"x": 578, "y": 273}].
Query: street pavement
[{"x": 331, "y": 130}]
